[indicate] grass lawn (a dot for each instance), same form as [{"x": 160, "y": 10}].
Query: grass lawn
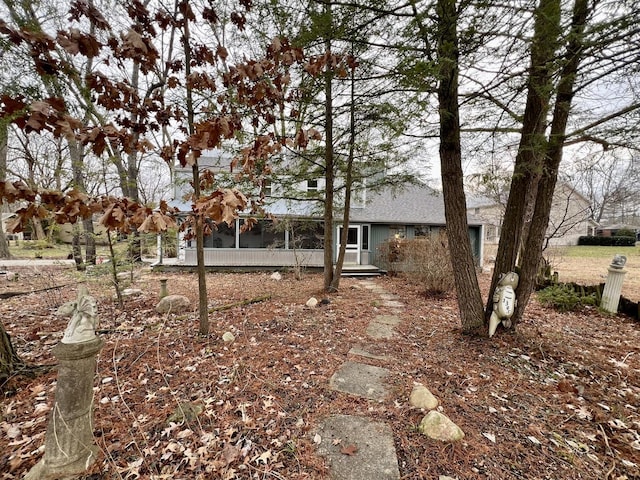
[
  {"x": 57, "y": 251},
  {"x": 594, "y": 251}
]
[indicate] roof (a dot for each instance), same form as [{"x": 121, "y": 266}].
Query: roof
[{"x": 414, "y": 204}]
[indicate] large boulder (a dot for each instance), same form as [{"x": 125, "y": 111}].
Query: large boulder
[
  {"x": 174, "y": 304},
  {"x": 438, "y": 426}
]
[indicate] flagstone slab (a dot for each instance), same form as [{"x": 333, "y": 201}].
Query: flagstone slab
[
  {"x": 358, "y": 448},
  {"x": 380, "y": 331},
  {"x": 392, "y": 320},
  {"x": 361, "y": 380},
  {"x": 392, "y": 303},
  {"x": 363, "y": 351}
]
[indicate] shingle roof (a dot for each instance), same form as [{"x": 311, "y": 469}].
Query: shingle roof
[{"x": 414, "y": 204}]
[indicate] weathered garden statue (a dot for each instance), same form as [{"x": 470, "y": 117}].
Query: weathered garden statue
[
  {"x": 504, "y": 301},
  {"x": 69, "y": 446},
  {"x": 613, "y": 285}
]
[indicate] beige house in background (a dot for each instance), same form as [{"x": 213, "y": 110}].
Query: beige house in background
[{"x": 570, "y": 217}]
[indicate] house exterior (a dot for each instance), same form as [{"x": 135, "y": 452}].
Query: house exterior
[
  {"x": 294, "y": 233},
  {"x": 569, "y": 219}
]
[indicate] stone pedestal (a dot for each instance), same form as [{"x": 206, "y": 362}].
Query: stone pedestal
[
  {"x": 612, "y": 289},
  {"x": 69, "y": 445},
  {"x": 163, "y": 288}
]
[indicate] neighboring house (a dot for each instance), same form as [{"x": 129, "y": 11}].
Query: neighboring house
[
  {"x": 295, "y": 236},
  {"x": 612, "y": 230},
  {"x": 569, "y": 219},
  {"x": 6, "y": 221}
]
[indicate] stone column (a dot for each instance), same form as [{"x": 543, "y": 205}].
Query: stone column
[
  {"x": 69, "y": 445},
  {"x": 613, "y": 285},
  {"x": 163, "y": 288}
]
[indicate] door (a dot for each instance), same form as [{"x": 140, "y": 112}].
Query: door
[{"x": 352, "y": 253}]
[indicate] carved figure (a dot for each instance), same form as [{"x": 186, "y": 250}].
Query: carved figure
[
  {"x": 618, "y": 261},
  {"x": 504, "y": 301},
  {"x": 84, "y": 318}
]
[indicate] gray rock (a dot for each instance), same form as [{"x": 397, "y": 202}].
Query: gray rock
[
  {"x": 228, "y": 337},
  {"x": 131, "y": 292},
  {"x": 276, "y": 276},
  {"x": 312, "y": 302},
  {"x": 421, "y": 397},
  {"x": 438, "y": 426},
  {"x": 173, "y": 304}
]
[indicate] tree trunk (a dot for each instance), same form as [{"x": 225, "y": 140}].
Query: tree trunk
[
  {"x": 553, "y": 157},
  {"x": 89, "y": 241},
  {"x": 532, "y": 142},
  {"x": 466, "y": 281},
  {"x": 348, "y": 184},
  {"x": 4, "y": 139},
  {"x": 9, "y": 360},
  {"x": 329, "y": 173}
]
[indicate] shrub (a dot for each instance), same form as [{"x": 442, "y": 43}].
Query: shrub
[
  {"x": 625, "y": 232},
  {"x": 565, "y": 298},
  {"x": 424, "y": 260},
  {"x": 607, "y": 241}
]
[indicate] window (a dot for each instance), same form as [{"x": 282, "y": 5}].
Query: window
[
  {"x": 365, "y": 237},
  {"x": 312, "y": 185},
  {"x": 267, "y": 188},
  {"x": 397, "y": 231},
  {"x": 262, "y": 235},
  {"x": 422, "y": 230},
  {"x": 306, "y": 235},
  {"x": 222, "y": 236}
]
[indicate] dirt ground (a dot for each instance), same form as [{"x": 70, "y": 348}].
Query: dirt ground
[{"x": 557, "y": 400}]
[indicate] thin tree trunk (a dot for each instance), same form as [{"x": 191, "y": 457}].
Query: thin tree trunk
[
  {"x": 9, "y": 360},
  {"x": 335, "y": 283},
  {"x": 553, "y": 157},
  {"x": 532, "y": 142},
  {"x": 4, "y": 139},
  {"x": 329, "y": 173},
  {"x": 466, "y": 281}
]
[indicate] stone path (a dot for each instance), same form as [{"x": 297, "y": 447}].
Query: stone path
[{"x": 359, "y": 448}]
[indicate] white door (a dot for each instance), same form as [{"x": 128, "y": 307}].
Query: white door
[{"x": 352, "y": 253}]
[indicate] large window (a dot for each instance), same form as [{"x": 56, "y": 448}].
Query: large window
[
  {"x": 306, "y": 235},
  {"x": 222, "y": 236},
  {"x": 263, "y": 234}
]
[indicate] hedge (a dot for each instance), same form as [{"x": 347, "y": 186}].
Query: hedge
[{"x": 607, "y": 241}]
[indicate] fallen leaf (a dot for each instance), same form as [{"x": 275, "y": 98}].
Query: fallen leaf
[
  {"x": 349, "y": 450},
  {"x": 489, "y": 436}
]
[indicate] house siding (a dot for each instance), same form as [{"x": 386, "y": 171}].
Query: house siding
[{"x": 256, "y": 257}]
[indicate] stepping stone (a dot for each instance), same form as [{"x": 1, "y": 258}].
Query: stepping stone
[
  {"x": 388, "y": 296},
  {"x": 360, "y": 380},
  {"x": 380, "y": 331},
  {"x": 357, "y": 448},
  {"x": 392, "y": 303},
  {"x": 362, "y": 352},
  {"x": 392, "y": 320}
]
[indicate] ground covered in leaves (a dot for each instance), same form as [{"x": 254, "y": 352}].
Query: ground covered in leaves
[{"x": 558, "y": 400}]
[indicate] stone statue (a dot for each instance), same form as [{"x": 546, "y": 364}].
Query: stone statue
[
  {"x": 84, "y": 318},
  {"x": 504, "y": 301},
  {"x": 618, "y": 261}
]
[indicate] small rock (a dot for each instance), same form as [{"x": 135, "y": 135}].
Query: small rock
[
  {"x": 325, "y": 301},
  {"x": 11, "y": 276},
  {"x": 438, "y": 426},
  {"x": 131, "y": 292},
  {"x": 276, "y": 276},
  {"x": 312, "y": 302},
  {"x": 421, "y": 397},
  {"x": 228, "y": 337},
  {"x": 173, "y": 304}
]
